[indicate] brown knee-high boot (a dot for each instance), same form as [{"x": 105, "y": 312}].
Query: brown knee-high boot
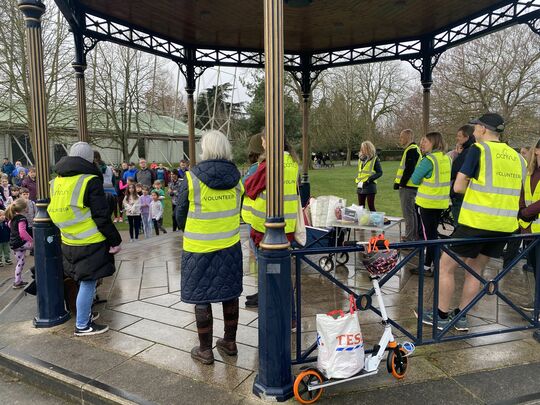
[
  {"x": 203, "y": 317},
  {"x": 230, "y": 318}
]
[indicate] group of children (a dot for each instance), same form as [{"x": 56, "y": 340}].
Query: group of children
[
  {"x": 17, "y": 212},
  {"x": 143, "y": 208}
]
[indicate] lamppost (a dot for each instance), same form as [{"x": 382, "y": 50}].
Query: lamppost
[{"x": 48, "y": 254}]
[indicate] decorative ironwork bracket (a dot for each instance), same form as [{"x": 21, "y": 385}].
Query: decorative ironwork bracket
[
  {"x": 89, "y": 44},
  {"x": 534, "y": 25}
]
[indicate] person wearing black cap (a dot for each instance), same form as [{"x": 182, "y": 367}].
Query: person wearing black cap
[{"x": 491, "y": 179}]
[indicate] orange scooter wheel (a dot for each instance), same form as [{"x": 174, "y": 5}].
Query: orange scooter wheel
[
  {"x": 300, "y": 387},
  {"x": 396, "y": 363}
]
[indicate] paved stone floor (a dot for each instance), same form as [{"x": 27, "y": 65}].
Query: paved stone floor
[{"x": 150, "y": 325}]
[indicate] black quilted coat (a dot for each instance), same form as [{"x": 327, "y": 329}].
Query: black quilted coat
[
  {"x": 216, "y": 276},
  {"x": 90, "y": 262}
]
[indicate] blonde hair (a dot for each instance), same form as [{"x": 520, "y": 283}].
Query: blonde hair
[
  {"x": 16, "y": 207},
  {"x": 369, "y": 147},
  {"x": 215, "y": 145}
]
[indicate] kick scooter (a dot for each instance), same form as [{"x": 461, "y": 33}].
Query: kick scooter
[{"x": 309, "y": 384}]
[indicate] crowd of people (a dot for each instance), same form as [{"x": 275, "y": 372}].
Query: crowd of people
[
  {"x": 17, "y": 213},
  {"x": 490, "y": 187},
  {"x": 482, "y": 181}
]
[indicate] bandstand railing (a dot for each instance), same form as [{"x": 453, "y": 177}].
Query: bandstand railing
[{"x": 489, "y": 287}]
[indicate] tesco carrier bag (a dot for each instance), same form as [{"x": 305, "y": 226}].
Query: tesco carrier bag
[{"x": 340, "y": 343}]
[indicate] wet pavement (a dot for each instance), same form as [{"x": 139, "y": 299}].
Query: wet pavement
[{"x": 152, "y": 333}]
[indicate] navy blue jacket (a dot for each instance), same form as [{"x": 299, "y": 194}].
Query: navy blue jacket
[
  {"x": 216, "y": 276},
  {"x": 4, "y": 232}
]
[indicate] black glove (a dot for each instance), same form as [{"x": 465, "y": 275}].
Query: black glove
[
  {"x": 525, "y": 218},
  {"x": 396, "y": 186}
]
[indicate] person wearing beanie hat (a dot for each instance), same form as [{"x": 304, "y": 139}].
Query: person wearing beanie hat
[
  {"x": 82, "y": 150},
  {"x": 89, "y": 242}
]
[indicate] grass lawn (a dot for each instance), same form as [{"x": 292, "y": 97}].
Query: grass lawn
[{"x": 338, "y": 181}]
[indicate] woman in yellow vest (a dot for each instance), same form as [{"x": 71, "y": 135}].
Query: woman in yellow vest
[
  {"x": 529, "y": 207},
  {"x": 208, "y": 212},
  {"x": 256, "y": 193},
  {"x": 369, "y": 170},
  {"x": 80, "y": 210},
  {"x": 433, "y": 177}
]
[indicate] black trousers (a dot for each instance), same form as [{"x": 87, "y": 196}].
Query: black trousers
[
  {"x": 134, "y": 226},
  {"x": 158, "y": 225},
  {"x": 174, "y": 223},
  {"x": 429, "y": 218}
]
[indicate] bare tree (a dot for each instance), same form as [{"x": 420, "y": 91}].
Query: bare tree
[
  {"x": 14, "y": 82},
  {"x": 123, "y": 78},
  {"x": 355, "y": 101},
  {"x": 498, "y": 73}
]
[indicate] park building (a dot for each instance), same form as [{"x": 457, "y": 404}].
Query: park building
[{"x": 156, "y": 137}]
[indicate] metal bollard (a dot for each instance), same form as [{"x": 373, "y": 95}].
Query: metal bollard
[{"x": 49, "y": 270}]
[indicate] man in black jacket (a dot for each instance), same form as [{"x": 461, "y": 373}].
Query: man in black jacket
[
  {"x": 88, "y": 253},
  {"x": 407, "y": 189},
  {"x": 464, "y": 137}
]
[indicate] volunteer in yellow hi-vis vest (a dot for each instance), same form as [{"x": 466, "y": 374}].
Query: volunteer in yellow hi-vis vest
[
  {"x": 208, "y": 212},
  {"x": 407, "y": 190},
  {"x": 491, "y": 179},
  {"x": 256, "y": 190},
  {"x": 530, "y": 209},
  {"x": 369, "y": 170},
  {"x": 79, "y": 208},
  {"x": 433, "y": 177}
]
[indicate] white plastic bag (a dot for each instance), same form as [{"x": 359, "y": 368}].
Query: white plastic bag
[{"x": 340, "y": 344}]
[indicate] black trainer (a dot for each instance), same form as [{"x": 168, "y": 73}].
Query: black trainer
[{"x": 92, "y": 329}]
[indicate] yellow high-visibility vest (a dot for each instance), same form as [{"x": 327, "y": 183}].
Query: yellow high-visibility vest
[
  {"x": 401, "y": 168},
  {"x": 213, "y": 220},
  {"x": 491, "y": 202},
  {"x": 366, "y": 171},
  {"x": 68, "y": 212},
  {"x": 290, "y": 197},
  {"x": 247, "y": 209},
  {"x": 529, "y": 199},
  {"x": 435, "y": 191}
]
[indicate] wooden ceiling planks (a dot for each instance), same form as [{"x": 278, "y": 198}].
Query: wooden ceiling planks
[{"x": 325, "y": 24}]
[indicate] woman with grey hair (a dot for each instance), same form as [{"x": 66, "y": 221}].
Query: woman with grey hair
[
  {"x": 369, "y": 170},
  {"x": 208, "y": 212}
]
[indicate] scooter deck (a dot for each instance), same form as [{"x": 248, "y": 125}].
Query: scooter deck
[{"x": 334, "y": 381}]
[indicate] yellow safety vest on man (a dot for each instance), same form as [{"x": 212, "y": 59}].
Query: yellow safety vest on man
[
  {"x": 491, "y": 202},
  {"x": 435, "y": 191},
  {"x": 529, "y": 199},
  {"x": 290, "y": 197},
  {"x": 213, "y": 220},
  {"x": 68, "y": 212},
  {"x": 366, "y": 170},
  {"x": 401, "y": 167}
]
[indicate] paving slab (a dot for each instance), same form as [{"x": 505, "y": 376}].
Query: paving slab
[
  {"x": 165, "y": 334},
  {"x": 219, "y": 373},
  {"x": 485, "y": 357},
  {"x": 509, "y": 383},
  {"x": 162, "y": 387},
  {"x": 156, "y": 313}
]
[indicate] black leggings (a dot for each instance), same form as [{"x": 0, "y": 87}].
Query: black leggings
[
  {"x": 174, "y": 223},
  {"x": 430, "y": 222},
  {"x": 134, "y": 225},
  {"x": 119, "y": 205},
  {"x": 370, "y": 200},
  {"x": 158, "y": 225}
]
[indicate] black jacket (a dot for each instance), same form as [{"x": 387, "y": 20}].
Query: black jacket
[
  {"x": 15, "y": 240},
  {"x": 90, "y": 262},
  {"x": 215, "y": 276},
  {"x": 411, "y": 159},
  {"x": 458, "y": 163}
]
